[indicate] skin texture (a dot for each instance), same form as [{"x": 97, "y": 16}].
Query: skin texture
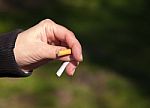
[{"x": 40, "y": 44}]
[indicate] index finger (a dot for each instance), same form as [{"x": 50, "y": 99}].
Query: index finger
[{"x": 64, "y": 35}]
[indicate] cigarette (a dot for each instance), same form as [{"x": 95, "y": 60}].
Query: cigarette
[
  {"x": 64, "y": 65},
  {"x": 64, "y": 52},
  {"x": 61, "y": 69}
]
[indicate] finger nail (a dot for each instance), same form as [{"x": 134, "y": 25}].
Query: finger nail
[
  {"x": 81, "y": 58},
  {"x": 73, "y": 71}
]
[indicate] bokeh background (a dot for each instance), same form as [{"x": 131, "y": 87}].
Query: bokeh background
[{"x": 116, "y": 46}]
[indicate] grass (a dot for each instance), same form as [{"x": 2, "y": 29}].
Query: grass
[{"x": 91, "y": 87}]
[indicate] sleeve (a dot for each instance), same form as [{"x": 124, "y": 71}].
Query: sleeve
[{"x": 8, "y": 65}]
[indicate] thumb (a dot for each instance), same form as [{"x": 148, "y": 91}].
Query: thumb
[{"x": 51, "y": 52}]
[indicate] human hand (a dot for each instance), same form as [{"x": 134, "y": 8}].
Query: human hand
[{"x": 40, "y": 44}]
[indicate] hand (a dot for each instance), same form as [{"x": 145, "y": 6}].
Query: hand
[{"x": 39, "y": 44}]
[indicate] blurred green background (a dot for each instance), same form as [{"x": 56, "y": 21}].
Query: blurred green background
[{"x": 115, "y": 39}]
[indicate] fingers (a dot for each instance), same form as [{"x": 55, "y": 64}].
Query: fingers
[
  {"x": 64, "y": 35},
  {"x": 71, "y": 67},
  {"x": 54, "y": 31},
  {"x": 66, "y": 39}
]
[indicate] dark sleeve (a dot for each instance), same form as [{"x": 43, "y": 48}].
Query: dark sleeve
[{"x": 8, "y": 65}]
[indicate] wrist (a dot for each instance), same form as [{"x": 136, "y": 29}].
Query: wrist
[
  {"x": 8, "y": 64},
  {"x": 18, "y": 51}
]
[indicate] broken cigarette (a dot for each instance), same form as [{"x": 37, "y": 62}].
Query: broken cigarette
[
  {"x": 63, "y": 66},
  {"x": 64, "y": 52},
  {"x": 61, "y": 69}
]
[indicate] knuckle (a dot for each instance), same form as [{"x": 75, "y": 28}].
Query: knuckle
[
  {"x": 72, "y": 34},
  {"x": 47, "y": 21}
]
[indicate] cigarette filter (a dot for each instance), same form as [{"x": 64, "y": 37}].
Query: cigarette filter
[{"x": 64, "y": 52}]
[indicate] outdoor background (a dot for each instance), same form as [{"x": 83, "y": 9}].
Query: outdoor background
[{"x": 116, "y": 46}]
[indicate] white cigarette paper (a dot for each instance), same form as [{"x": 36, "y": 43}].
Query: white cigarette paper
[{"x": 61, "y": 69}]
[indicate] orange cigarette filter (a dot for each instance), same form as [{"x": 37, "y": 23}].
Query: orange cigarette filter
[{"x": 64, "y": 52}]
